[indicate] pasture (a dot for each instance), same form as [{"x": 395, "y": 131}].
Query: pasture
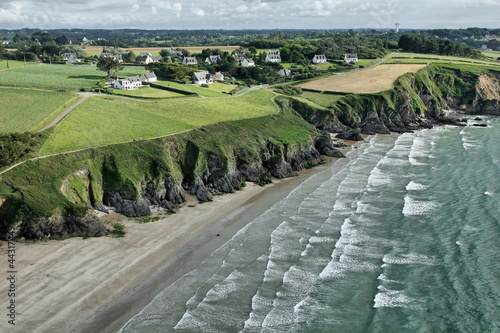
[
  {"x": 102, "y": 121},
  {"x": 29, "y": 110},
  {"x": 417, "y": 58},
  {"x": 10, "y": 64},
  {"x": 147, "y": 92},
  {"x": 372, "y": 80},
  {"x": 324, "y": 100},
  {"x": 214, "y": 90},
  {"x": 70, "y": 77}
]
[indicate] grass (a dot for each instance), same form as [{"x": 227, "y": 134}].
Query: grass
[
  {"x": 492, "y": 54},
  {"x": 325, "y": 100},
  {"x": 14, "y": 64},
  {"x": 147, "y": 92},
  {"x": 372, "y": 80},
  {"x": 59, "y": 76},
  {"x": 413, "y": 58},
  {"x": 102, "y": 121},
  {"x": 29, "y": 110},
  {"x": 213, "y": 90}
]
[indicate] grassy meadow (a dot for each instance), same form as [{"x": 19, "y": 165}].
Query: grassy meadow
[
  {"x": 102, "y": 121},
  {"x": 148, "y": 92},
  {"x": 14, "y": 64},
  {"x": 372, "y": 80},
  {"x": 71, "y": 77},
  {"x": 324, "y": 100},
  {"x": 30, "y": 110},
  {"x": 214, "y": 90},
  {"x": 417, "y": 58}
]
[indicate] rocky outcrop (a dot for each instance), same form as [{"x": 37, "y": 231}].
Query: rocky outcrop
[
  {"x": 324, "y": 145},
  {"x": 130, "y": 208},
  {"x": 352, "y": 135},
  {"x": 61, "y": 227}
]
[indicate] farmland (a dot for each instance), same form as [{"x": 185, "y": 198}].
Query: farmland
[
  {"x": 29, "y": 110},
  {"x": 372, "y": 80},
  {"x": 14, "y": 64},
  {"x": 213, "y": 90},
  {"x": 59, "y": 76},
  {"x": 147, "y": 92},
  {"x": 101, "y": 121},
  {"x": 417, "y": 58}
]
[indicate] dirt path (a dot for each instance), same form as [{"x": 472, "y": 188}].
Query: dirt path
[{"x": 65, "y": 112}]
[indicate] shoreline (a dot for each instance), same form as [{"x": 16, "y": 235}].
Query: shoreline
[{"x": 106, "y": 281}]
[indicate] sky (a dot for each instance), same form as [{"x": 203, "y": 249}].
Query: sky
[{"x": 248, "y": 14}]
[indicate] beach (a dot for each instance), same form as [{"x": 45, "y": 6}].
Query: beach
[{"x": 97, "y": 284}]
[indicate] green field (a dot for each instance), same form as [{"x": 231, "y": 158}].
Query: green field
[
  {"x": 147, "y": 92},
  {"x": 417, "y": 58},
  {"x": 213, "y": 90},
  {"x": 59, "y": 76},
  {"x": 492, "y": 54},
  {"x": 101, "y": 121},
  {"x": 30, "y": 110},
  {"x": 325, "y": 100},
  {"x": 14, "y": 64}
]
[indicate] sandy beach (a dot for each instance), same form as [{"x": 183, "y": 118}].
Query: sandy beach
[{"x": 97, "y": 284}]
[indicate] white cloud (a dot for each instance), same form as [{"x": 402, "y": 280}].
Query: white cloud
[
  {"x": 135, "y": 6},
  {"x": 154, "y": 10}
]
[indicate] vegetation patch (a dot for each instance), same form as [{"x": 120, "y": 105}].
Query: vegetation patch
[
  {"x": 30, "y": 110},
  {"x": 372, "y": 80}
]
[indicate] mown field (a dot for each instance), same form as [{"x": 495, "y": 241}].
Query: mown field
[
  {"x": 59, "y": 76},
  {"x": 102, "y": 121},
  {"x": 214, "y": 90},
  {"x": 9, "y": 64},
  {"x": 324, "y": 100},
  {"x": 29, "y": 110},
  {"x": 417, "y": 58},
  {"x": 372, "y": 80},
  {"x": 148, "y": 92}
]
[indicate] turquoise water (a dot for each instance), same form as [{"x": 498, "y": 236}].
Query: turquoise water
[{"x": 402, "y": 236}]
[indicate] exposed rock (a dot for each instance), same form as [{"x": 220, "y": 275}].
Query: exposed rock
[
  {"x": 127, "y": 207},
  {"x": 352, "y": 135},
  {"x": 201, "y": 192},
  {"x": 373, "y": 126},
  {"x": 62, "y": 227},
  {"x": 324, "y": 145},
  {"x": 100, "y": 207}
]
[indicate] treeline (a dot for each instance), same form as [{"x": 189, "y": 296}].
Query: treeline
[
  {"x": 16, "y": 145},
  {"x": 431, "y": 45}
]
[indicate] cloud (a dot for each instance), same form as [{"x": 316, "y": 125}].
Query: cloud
[{"x": 136, "y": 6}]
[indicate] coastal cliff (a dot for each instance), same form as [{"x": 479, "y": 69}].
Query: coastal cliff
[
  {"x": 418, "y": 100},
  {"x": 59, "y": 196}
]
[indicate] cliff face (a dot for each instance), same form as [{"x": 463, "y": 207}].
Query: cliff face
[
  {"x": 57, "y": 196},
  {"x": 416, "y": 102}
]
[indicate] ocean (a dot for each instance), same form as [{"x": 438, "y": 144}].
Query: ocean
[{"x": 403, "y": 235}]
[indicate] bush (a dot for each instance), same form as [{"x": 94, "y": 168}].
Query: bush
[{"x": 204, "y": 85}]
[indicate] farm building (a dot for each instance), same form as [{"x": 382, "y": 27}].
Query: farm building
[
  {"x": 189, "y": 61},
  {"x": 212, "y": 59},
  {"x": 273, "y": 56},
  {"x": 319, "y": 59},
  {"x": 149, "y": 77},
  {"x": 248, "y": 63},
  {"x": 202, "y": 77},
  {"x": 351, "y": 57}
]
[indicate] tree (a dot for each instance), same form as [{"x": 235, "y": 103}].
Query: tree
[
  {"x": 106, "y": 65},
  {"x": 62, "y": 40},
  {"x": 129, "y": 57},
  {"x": 117, "y": 67}
]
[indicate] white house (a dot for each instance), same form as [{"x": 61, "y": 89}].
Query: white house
[
  {"x": 351, "y": 57},
  {"x": 136, "y": 81},
  {"x": 110, "y": 82},
  {"x": 202, "y": 77},
  {"x": 5, "y": 42},
  {"x": 116, "y": 57},
  {"x": 218, "y": 76},
  {"x": 239, "y": 57},
  {"x": 189, "y": 61},
  {"x": 123, "y": 84},
  {"x": 273, "y": 56},
  {"x": 248, "y": 63},
  {"x": 149, "y": 77},
  {"x": 319, "y": 59},
  {"x": 212, "y": 59},
  {"x": 70, "y": 58},
  {"x": 284, "y": 72},
  {"x": 147, "y": 58}
]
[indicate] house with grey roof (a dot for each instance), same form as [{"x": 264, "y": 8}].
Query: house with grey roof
[
  {"x": 149, "y": 77},
  {"x": 189, "y": 61},
  {"x": 284, "y": 72},
  {"x": 273, "y": 56},
  {"x": 123, "y": 84},
  {"x": 70, "y": 58},
  {"x": 116, "y": 57},
  {"x": 202, "y": 77},
  {"x": 239, "y": 57},
  {"x": 248, "y": 63},
  {"x": 319, "y": 59},
  {"x": 351, "y": 57},
  {"x": 147, "y": 58},
  {"x": 212, "y": 59}
]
